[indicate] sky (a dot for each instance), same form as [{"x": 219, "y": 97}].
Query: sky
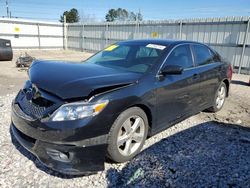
[{"x": 51, "y": 10}]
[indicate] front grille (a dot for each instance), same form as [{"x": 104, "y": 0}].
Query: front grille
[
  {"x": 33, "y": 108},
  {"x": 30, "y": 108}
]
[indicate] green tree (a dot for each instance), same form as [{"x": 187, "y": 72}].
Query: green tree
[
  {"x": 122, "y": 15},
  {"x": 135, "y": 16},
  {"x": 111, "y": 15},
  {"x": 72, "y": 16}
]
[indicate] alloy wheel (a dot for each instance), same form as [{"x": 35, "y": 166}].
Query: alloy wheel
[
  {"x": 221, "y": 97},
  {"x": 131, "y": 135}
]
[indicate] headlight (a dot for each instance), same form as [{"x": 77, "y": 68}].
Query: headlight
[{"x": 78, "y": 110}]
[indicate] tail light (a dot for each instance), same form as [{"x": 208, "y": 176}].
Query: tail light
[{"x": 230, "y": 72}]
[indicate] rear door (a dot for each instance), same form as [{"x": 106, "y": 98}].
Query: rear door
[
  {"x": 208, "y": 67},
  {"x": 177, "y": 94}
]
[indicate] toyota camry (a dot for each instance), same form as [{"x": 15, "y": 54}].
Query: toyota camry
[{"x": 73, "y": 116}]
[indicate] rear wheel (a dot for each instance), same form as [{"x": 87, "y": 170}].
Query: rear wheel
[
  {"x": 220, "y": 98},
  {"x": 127, "y": 135}
]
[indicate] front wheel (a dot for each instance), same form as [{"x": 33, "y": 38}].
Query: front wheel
[
  {"x": 220, "y": 98},
  {"x": 127, "y": 135}
]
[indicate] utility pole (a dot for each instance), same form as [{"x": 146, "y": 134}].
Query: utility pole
[{"x": 7, "y": 8}]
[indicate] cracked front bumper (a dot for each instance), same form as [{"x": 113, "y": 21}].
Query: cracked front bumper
[
  {"x": 66, "y": 159},
  {"x": 60, "y": 149}
]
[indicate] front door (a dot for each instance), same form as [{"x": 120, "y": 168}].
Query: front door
[{"x": 177, "y": 94}]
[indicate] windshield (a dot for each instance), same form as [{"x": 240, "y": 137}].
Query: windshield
[{"x": 128, "y": 57}]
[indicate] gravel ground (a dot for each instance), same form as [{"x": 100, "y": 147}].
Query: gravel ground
[
  {"x": 195, "y": 152},
  {"x": 206, "y": 150},
  {"x": 19, "y": 168},
  {"x": 207, "y": 155}
]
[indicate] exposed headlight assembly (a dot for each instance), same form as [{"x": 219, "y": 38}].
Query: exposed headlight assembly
[{"x": 78, "y": 110}]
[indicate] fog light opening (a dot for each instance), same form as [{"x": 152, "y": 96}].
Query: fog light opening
[
  {"x": 58, "y": 155},
  {"x": 64, "y": 156}
]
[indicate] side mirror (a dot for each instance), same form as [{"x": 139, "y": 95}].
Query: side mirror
[{"x": 171, "y": 69}]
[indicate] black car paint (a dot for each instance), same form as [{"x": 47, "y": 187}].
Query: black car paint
[
  {"x": 165, "y": 99},
  {"x": 69, "y": 78},
  {"x": 6, "y": 53}
]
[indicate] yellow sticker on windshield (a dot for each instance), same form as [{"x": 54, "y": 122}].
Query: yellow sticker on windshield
[{"x": 110, "y": 48}]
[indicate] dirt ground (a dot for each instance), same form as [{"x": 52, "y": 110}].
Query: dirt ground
[
  {"x": 12, "y": 78},
  {"x": 236, "y": 109}
]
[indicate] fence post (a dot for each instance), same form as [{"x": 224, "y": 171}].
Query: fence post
[
  {"x": 180, "y": 34},
  {"x": 106, "y": 34},
  {"x": 38, "y": 35},
  {"x": 138, "y": 29},
  {"x": 136, "y": 33},
  {"x": 83, "y": 37},
  {"x": 244, "y": 45},
  {"x": 65, "y": 33}
]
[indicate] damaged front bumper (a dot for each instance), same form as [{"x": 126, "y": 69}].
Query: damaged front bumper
[
  {"x": 66, "y": 159},
  {"x": 69, "y": 148}
]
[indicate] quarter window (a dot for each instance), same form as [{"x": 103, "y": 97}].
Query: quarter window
[
  {"x": 203, "y": 55},
  {"x": 181, "y": 56}
]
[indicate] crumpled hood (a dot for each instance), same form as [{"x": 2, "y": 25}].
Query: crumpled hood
[{"x": 73, "y": 80}]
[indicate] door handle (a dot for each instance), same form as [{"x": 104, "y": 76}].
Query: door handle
[
  {"x": 183, "y": 96},
  {"x": 196, "y": 76}
]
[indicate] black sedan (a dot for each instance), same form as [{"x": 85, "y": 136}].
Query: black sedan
[
  {"x": 72, "y": 116},
  {"x": 6, "y": 53}
]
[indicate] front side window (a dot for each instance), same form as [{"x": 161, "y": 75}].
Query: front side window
[
  {"x": 137, "y": 58},
  {"x": 203, "y": 55},
  {"x": 181, "y": 56}
]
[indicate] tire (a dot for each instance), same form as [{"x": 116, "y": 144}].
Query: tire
[
  {"x": 216, "y": 107},
  {"x": 125, "y": 140}
]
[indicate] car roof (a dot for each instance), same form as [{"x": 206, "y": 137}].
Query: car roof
[{"x": 164, "y": 42}]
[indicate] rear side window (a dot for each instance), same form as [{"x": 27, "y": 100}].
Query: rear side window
[
  {"x": 203, "y": 55},
  {"x": 181, "y": 56}
]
